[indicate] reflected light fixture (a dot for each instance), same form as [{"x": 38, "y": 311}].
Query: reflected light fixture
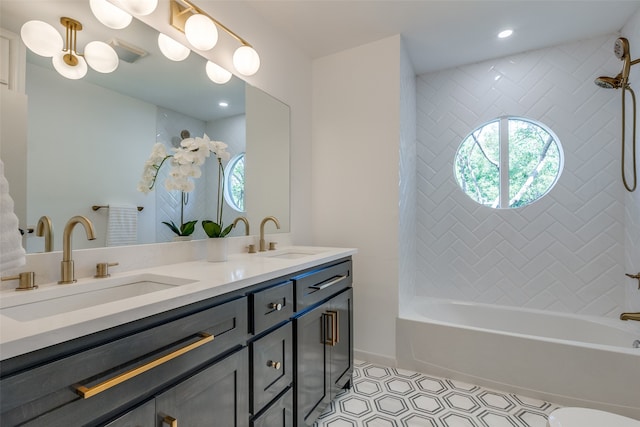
[
  {"x": 505, "y": 33},
  {"x": 201, "y": 30},
  {"x": 109, "y": 14},
  {"x": 172, "y": 49},
  {"x": 44, "y": 40},
  {"x": 217, "y": 74}
]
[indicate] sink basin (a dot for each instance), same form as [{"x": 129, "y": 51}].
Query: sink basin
[
  {"x": 60, "y": 299},
  {"x": 292, "y": 253}
]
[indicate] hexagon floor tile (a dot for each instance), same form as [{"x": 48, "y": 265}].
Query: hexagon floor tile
[{"x": 383, "y": 396}]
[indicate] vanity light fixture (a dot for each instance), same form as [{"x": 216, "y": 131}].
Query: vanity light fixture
[
  {"x": 44, "y": 40},
  {"x": 137, "y": 7},
  {"x": 109, "y": 14},
  {"x": 201, "y": 31}
]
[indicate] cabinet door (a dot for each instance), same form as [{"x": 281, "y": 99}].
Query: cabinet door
[
  {"x": 311, "y": 375},
  {"x": 341, "y": 358},
  {"x": 141, "y": 416},
  {"x": 217, "y": 395},
  {"x": 279, "y": 414}
]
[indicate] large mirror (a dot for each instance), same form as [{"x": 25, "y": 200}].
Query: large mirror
[{"x": 88, "y": 139}]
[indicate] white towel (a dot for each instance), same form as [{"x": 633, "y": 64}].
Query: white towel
[
  {"x": 122, "y": 226},
  {"x": 12, "y": 253}
]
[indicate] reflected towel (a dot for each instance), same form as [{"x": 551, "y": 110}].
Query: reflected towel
[
  {"x": 12, "y": 254},
  {"x": 122, "y": 225}
]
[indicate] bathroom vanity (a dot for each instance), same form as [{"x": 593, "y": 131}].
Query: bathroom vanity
[{"x": 271, "y": 347}]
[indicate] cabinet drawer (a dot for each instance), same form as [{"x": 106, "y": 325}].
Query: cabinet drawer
[
  {"x": 121, "y": 371},
  {"x": 271, "y": 306},
  {"x": 271, "y": 365},
  {"x": 280, "y": 414},
  {"x": 319, "y": 285}
]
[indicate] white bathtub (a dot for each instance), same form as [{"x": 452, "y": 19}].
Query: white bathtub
[{"x": 562, "y": 358}]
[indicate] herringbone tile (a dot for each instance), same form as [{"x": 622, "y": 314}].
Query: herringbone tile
[{"x": 564, "y": 252}]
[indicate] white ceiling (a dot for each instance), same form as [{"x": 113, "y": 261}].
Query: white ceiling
[{"x": 445, "y": 33}]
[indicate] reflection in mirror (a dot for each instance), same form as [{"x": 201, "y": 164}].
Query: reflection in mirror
[{"x": 88, "y": 139}]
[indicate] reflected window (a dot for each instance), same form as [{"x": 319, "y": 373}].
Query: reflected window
[
  {"x": 508, "y": 162},
  {"x": 234, "y": 185}
]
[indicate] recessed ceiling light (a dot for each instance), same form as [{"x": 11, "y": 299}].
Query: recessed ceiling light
[
  {"x": 223, "y": 104},
  {"x": 505, "y": 33}
]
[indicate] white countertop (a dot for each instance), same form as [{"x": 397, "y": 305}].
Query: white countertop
[{"x": 206, "y": 280}]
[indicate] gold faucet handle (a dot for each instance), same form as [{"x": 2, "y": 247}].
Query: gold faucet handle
[
  {"x": 26, "y": 282},
  {"x": 102, "y": 269},
  {"x": 252, "y": 249},
  {"x": 272, "y": 246}
]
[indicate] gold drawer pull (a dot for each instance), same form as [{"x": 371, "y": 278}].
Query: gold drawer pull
[
  {"x": 275, "y": 306},
  {"x": 170, "y": 420},
  {"x": 328, "y": 283},
  {"x": 274, "y": 365},
  {"x": 87, "y": 392},
  {"x": 331, "y": 324}
]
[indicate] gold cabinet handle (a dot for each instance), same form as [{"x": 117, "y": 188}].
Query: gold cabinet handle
[
  {"x": 328, "y": 283},
  {"x": 331, "y": 323},
  {"x": 170, "y": 420},
  {"x": 274, "y": 365},
  {"x": 87, "y": 392},
  {"x": 275, "y": 306}
]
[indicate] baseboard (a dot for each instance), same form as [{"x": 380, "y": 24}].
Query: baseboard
[{"x": 378, "y": 359}]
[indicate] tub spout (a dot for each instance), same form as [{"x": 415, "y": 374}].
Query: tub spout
[{"x": 630, "y": 316}]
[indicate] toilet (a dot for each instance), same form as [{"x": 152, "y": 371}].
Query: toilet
[{"x": 585, "y": 417}]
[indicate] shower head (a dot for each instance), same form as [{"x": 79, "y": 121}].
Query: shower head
[
  {"x": 621, "y": 48},
  {"x": 609, "y": 82}
]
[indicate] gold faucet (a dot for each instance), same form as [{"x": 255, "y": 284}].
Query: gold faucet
[
  {"x": 68, "y": 275},
  {"x": 630, "y": 316},
  {"x": 45, "y": 228},
  {"x": 264, "y": 221},
  {"x": 246, "y": 224}
]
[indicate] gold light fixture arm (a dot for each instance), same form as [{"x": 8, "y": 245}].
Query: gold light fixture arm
[
  {"x": 183, "y": 9},
  {"x": 71, "y": 40}
]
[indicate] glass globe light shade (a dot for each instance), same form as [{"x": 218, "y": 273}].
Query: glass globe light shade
[
  {"x": 109, "y": 14},
  {"x": 246, "y": 60},
  {"x": 172, "y": 49},
  {"x": 217, "y": 74},
  {"x": 139, "y": 7},
  {"x": 101, "y": 57},
  {"x": 41, "y": 38},
  {"x": 201, "y": 32},
  {"x": 73, "y": 72}
]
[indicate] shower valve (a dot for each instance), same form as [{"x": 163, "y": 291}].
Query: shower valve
[{"x": 634, "y": 276}]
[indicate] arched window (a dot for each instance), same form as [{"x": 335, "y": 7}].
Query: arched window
[{"x": 508, "y": 162}]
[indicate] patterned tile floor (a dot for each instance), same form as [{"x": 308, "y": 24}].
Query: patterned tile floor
[{"x": 389, "y": 397}]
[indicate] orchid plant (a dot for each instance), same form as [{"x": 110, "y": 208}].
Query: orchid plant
[{"x": 186, "y": 161}]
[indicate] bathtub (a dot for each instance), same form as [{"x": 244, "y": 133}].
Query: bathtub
[{"x": 566, "y": 359}]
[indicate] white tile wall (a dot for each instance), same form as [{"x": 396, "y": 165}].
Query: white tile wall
[{"x": 564, "y": 252}]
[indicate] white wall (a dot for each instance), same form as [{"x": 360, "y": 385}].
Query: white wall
[
  {"x": 355, "y": 193},
  {"x": 564, "y": 252},
  {"x": 632, "y": 200}
]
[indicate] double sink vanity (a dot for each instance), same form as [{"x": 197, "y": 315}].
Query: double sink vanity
[{"x": 259, "y": 340}]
